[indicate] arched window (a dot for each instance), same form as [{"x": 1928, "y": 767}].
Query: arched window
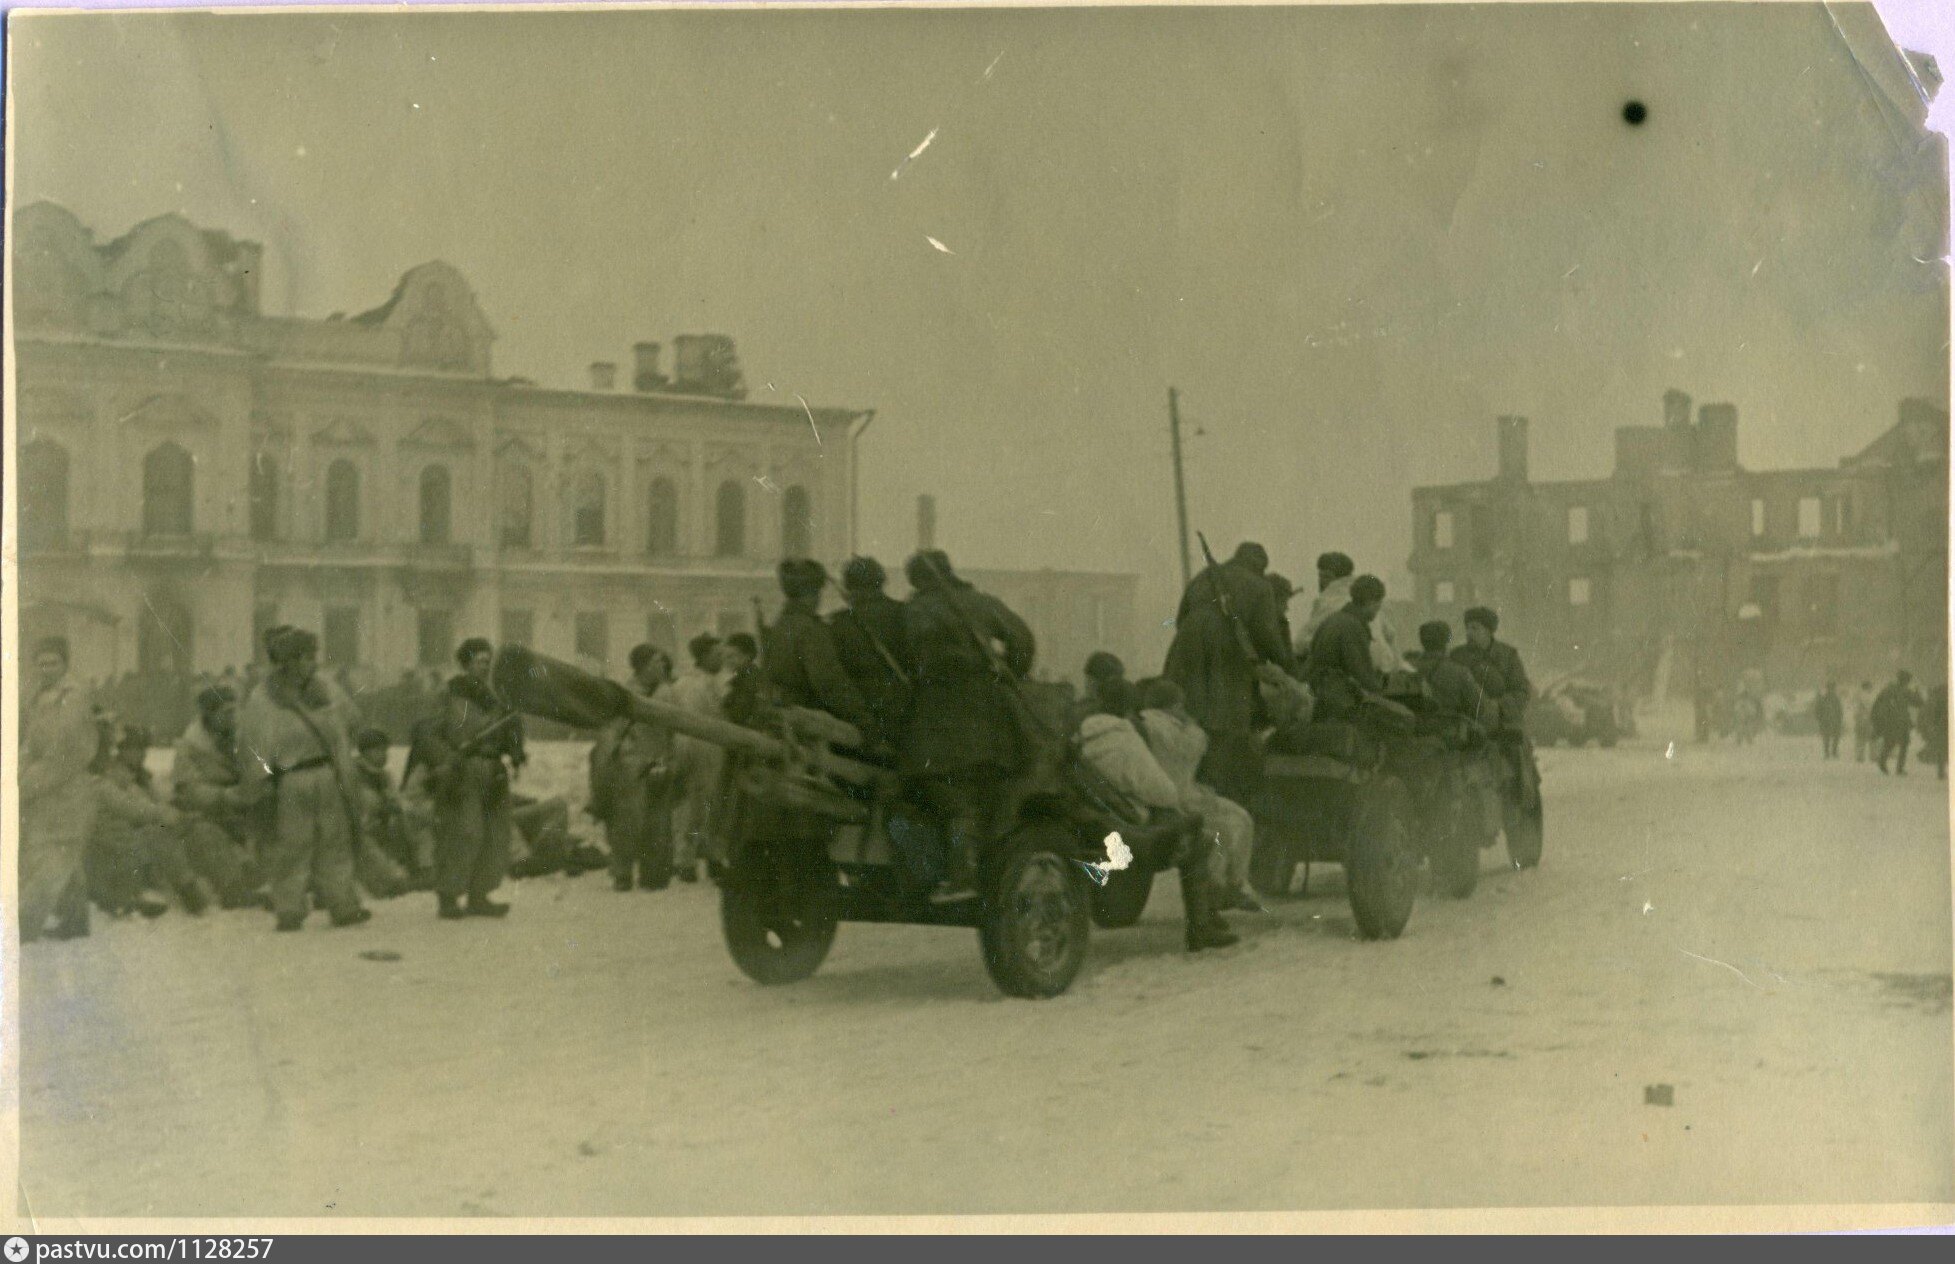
[
  {"x": 342, "y": 502},
  {"x": 518, "y": 506},
  {"x": 169, "y": 489},
  {"x": 587, "y": 510},
  {"x": 264, "y": 495},
  {"x": 797, "y": 523},
  {"x": 435, "y": 506},
  {"x": 730, "y": 513},
  {"x": 662, "y": 518},
  {"x": 43, "y": 494}
]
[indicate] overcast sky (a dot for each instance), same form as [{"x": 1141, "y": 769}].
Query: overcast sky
[{"x": 1351, "y": 237}]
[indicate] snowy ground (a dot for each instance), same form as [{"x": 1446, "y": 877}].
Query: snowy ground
[{"x": 1767, "y": 935}]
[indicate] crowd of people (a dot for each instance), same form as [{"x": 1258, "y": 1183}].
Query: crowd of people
[
  {"x": 280, "y": 794},
  {"x": 279, "y": 797},
  {"x": 1885, "y": 723}
]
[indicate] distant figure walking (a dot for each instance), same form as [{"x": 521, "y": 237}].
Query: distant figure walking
[
  {"x": 1863, "y": 720},
  {"x": 1893, "y": 717},
  {"x": 1830, "y": 712}
]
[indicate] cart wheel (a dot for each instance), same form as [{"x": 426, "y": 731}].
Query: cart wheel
[
  {"x": 778, "y": 914},
  {"x": 1523, "y": 831},
  {"x": 1380, "y": 862},
  {"x": 1037, "y": 914},
  {"x": 1119, "y": 903}
]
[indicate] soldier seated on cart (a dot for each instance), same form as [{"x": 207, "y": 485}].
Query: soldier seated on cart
[
  {"x": 800, "y": 662},
  {"x": 1496, "y": 666},
  {"x": 1342, "y": 671},
  {"x": 1115, "y": 750},
  {"x": 1455, "y": 695}
]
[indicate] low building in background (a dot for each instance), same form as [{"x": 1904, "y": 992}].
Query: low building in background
[{"x": 1681, "y": 569}]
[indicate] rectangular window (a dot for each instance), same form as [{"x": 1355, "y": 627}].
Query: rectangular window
[
  {"x": 1757, "y": 519},
  {"x": 1823, "y": 604},
  {"x": 1578, "y": 591},
  {"x": 1442, "y": 592},
  {"x": 1808, "y": 517},
  {"x": 594, "y": 636},
  {"x": 434, "y": 637},
  {"x": 342, "y": 636},
  {"x": 1578, "y": 524},
  {"x": 519, "y": 628},
  {"x": 1442, "y": 529}
]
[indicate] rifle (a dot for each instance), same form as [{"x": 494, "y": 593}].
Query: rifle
[
  {"x": 470, "y": 747},
  {"x": 1242, "y": 637}
]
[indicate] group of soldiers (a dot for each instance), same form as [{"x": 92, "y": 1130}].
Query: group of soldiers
[
  {"x": 279, "y": 800},
  {"x": 1244, "y": 675},
  {"x": 1884, "y": 723},
  {"x": 927, "y": 683}
]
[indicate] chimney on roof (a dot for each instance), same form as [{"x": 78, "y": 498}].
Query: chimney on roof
[
  {"x": 1716, "y": 448},
  {"x": 1511, "y": 436},
  {"x": 1676, "y": 410},
  {"x": 604, "y": 375},
  {"x": 926, "y": 523},
  {"x": 645, "y": 375}
]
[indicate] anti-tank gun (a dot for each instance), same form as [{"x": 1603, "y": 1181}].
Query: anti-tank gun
[{"x": 815, "y": 831}]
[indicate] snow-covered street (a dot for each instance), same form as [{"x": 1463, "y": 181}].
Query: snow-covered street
[{"x": 1728, "y": 983}]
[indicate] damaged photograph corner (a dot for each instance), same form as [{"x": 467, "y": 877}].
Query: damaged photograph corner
[{"x": 1256, "y": 619}]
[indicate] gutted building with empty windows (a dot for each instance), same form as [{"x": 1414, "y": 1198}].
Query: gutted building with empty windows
[
  {"x": 1682, "y": 568},
  {"x": 193, "y": 471}
]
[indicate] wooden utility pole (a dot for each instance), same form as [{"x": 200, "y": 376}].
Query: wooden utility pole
[{"x": 1180, "y": 484}]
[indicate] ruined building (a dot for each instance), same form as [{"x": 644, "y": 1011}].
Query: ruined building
[{"x": 1682, "y": 567}]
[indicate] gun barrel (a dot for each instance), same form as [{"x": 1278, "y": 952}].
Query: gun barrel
[{"x": 541, "y": 686}]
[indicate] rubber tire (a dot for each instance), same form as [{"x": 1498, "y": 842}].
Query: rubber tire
[
  {"x": 1119, "y": 903},
  {"x": 1523, "y": 833},
  {"x": 1380, "y": 862},
  {"x": 1042, "y": 846},
  {"x": 804, "y": 941}
]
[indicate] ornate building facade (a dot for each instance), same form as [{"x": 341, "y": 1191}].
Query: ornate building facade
[{"x": 193, "y": 471}]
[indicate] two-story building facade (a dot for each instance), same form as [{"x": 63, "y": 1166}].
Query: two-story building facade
[
  {"x": 1682, "y": 568},
  {"x": 192, "y": 471}
]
